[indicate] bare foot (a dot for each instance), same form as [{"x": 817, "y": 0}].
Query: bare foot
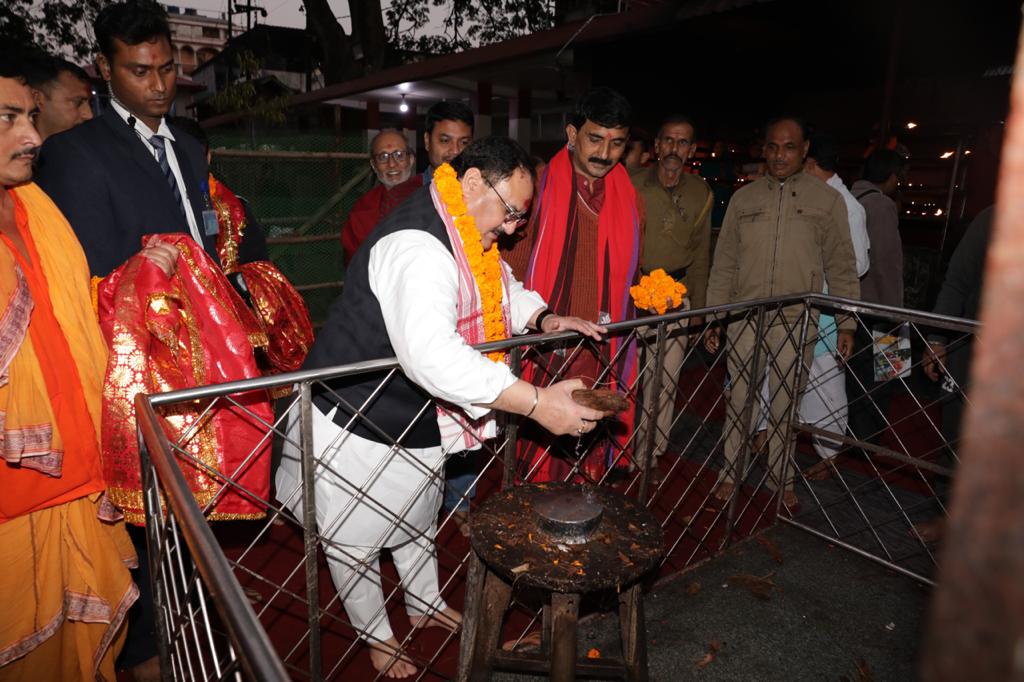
[
  {"x": 254, "y": 597},
  {"x": 387, "y": 658},
  {"x": 147, "y": 671},
  {"x": 820, "y": 471},
  {"x": 461, "y": 519},
  {"x": 447, "y": 618},
  {"x": 723, "y": 491},
  {"x": 527, "y": 641}
]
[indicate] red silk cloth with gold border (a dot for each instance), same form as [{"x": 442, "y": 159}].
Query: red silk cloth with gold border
[{"x": 171, "y": 333}]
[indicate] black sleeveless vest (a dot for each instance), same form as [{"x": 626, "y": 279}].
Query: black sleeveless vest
[{"x": 355, "y": 332}]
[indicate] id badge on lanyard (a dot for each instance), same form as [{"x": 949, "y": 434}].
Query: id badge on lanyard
[{"x": 210, "y": 224}]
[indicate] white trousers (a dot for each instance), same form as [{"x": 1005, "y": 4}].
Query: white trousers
[
  {"x": 369, "y": 496},
  {"x": 822, "y": 405}
]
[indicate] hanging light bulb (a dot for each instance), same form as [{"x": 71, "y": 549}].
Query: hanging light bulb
[{"x": 403, "y": 107}]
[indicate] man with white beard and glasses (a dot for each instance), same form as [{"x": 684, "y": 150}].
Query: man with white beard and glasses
[{"x": 392, "y": 162}]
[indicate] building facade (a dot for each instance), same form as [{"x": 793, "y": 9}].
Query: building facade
[{"x": 197, "y": 37}]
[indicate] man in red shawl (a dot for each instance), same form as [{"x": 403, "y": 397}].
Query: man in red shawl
[
  {"x": 581, "y": 253},
  {"x": 393, "y": 163},
  {"x": 448, "y": 128}
]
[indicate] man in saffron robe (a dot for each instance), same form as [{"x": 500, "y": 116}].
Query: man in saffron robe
[
  {"x": 122, "y": 176},
  {"x": 581, "y": 253},
  {"x": 65, "y": 583},
  {"x": 393, "y": 163}
]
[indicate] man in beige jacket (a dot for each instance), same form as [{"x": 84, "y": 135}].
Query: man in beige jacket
[
  {"x": 677, "y": 239},
  {"x": 785, "y": 233}
]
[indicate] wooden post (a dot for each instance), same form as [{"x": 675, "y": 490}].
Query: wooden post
[
  {"x": 976, "y": 628},
  {"x": 519, "y": 118},
  {"x": 564, "y": 614},
  {"x": 473, "y": 614},
  {"x": 372, "y": 120},
  {"x": 482, "y": 109},
  {"x": 496, "y": 596},
  {"x": 634, "y": 644}
]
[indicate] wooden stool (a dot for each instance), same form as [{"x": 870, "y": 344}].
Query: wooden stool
[{"x": 565, "y": 541}]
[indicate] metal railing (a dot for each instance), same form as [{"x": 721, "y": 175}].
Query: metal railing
[{"x": 275, "y": 613}]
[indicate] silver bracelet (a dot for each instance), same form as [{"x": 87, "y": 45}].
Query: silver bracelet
[{"x": 536, "y": 399}]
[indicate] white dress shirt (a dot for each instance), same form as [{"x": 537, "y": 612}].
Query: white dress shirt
[
  {"x": 144, "y": 133},
  {"x": 858, "y": 220},
  {"x": 416, "y": 281}
]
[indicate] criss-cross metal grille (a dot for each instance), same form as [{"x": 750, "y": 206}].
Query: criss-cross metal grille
[{"x": 703, "y": 417}]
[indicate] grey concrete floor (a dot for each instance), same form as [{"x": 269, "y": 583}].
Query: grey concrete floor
[{"x": 828, "y": 615}]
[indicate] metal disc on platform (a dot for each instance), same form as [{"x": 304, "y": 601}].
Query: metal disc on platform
[
  {"x": 566, "y": 538},
  {"x": 570, "y": 516}
]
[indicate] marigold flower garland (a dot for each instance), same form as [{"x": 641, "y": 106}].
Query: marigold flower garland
[
  {"x": 656, "y": 290},
  {"x": 485, "y": 265}
]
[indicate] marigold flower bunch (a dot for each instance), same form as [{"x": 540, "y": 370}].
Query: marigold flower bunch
[
  {"x": 485, "y": 265},
  {"x": 656, "y": 290}
]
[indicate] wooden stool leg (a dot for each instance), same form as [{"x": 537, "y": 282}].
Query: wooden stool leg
[
  {"x": 496, "y": 595},
  {"x": 471, "y": 617},
  {"x": 564, "y": 612},
  {"x": 634, "y": 634},
  {"x": 545, "y": 626}
]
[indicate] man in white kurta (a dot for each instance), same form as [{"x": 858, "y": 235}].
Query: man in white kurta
[
  {"x": 380, "y": 440},
  {"x": 823, "y": 404}
]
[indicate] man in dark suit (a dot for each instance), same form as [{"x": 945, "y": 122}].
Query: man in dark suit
[
  {"x": 123, "y": 175},
  {"x": 127, "y": 173}
]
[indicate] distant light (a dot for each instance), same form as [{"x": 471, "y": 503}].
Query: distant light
[
  {"x": 911, "y": 125},
  {"x": 403, "y": 107},
  {"x": 938, "y": 211},
  {"x": 967, "y": 152},
  {"x": 946, "y": 155}
]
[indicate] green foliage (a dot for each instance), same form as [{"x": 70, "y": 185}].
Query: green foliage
[
  {"x": 468, "y": 23},
  {"x": 57, "y": 26},
  {"x": 243, "y": 96}
]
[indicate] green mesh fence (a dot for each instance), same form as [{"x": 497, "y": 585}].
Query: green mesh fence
[{"x": 301, "y": 187}]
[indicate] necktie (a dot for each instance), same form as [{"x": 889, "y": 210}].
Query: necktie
[{"x": 159, "y": 146}]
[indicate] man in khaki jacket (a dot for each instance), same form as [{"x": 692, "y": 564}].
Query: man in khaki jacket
[
  {"x": 677, "y": 238},
  {"x": 785, "y": 233}
]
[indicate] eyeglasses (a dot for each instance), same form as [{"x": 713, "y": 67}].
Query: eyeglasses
[
  {"x": 398, "y": 156},
  {"x": 512, "y": 216}
]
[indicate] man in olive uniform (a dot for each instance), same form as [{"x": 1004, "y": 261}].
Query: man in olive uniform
[
  {"x": 677, "y": 239},
  {"x": 785, "y": 233}
]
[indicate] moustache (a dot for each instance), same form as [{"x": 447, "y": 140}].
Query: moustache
[
  {"x": 673, "y": 157},
  {"x": 599, "y": 161},
  {"x": 31, "y": 152}
]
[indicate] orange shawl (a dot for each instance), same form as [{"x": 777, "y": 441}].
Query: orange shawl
[
  {"x": 52, "y": 366},
  {"x": 172, "y": 333}
]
